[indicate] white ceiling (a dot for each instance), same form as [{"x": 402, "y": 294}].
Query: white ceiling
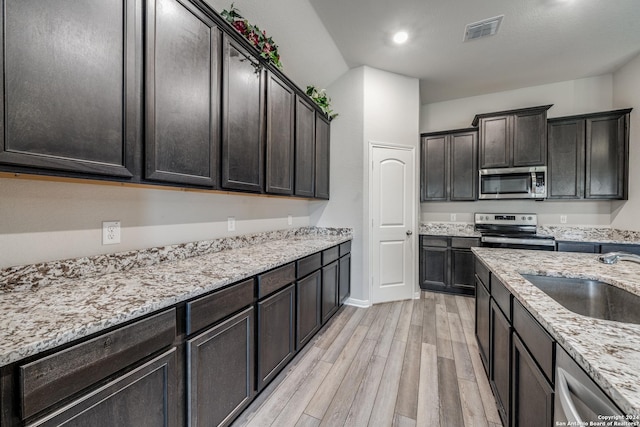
[{"x": 539, "y": 42}]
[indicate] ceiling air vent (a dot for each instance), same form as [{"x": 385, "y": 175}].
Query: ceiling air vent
[{"x": 484, "y": 28}]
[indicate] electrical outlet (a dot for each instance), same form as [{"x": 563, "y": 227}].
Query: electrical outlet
[
  {"x": 453, "y": 217},
  {"x": 563, "y": 219},
  {"x": 231, "y": 223},
  {"x": 110, "y": 232},
  {"x": 289, "y": 220}
]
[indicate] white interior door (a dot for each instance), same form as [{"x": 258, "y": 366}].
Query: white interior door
[{"x": 393, "y": 206}]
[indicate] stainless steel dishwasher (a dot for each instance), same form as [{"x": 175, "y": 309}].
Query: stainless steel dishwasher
[{"x": 578, "y": 399}]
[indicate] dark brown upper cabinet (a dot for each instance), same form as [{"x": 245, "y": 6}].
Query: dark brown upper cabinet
[
  {"x": 305, "y": 149},
  {"x": 588, "y": 156},
  {"x": 280, "y": 136},
  {"x": 243, "y": 107},
  {"x": 513, "y": 138},
  {"x": 449, "y": 166},
  {"x": 183, "y": 47},
  {"x": 70, "y": 91},
  {"x": 322, "y": 157}
]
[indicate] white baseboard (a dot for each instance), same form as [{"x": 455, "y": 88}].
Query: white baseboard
[
  {"x": 416, "y": 295},
  {"x": 362, "y": 303}
]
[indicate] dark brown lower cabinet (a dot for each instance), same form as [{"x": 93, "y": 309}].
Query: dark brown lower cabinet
[
  {"x": 309, "y": 294},
  {"x": 220, "y": 371},
  {"x": 144, "y": 396},
  {"x": 500, "y": 360},
  {"x": 483, "y": 332},
  {"x": 532, "y": 396},
  {"x": 344, "y": 289},
  {"x": 330, "y": 281},
  {"x": 462, "y": 270},
  {"x": 276, "y": 333},
  {"x": 434, "y": 268}
]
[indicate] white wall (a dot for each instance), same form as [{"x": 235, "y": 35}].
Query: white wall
[
  {"x": 377, "y": 106},
  {"x": 43, "y": 221},
  {"x": 391, "y": 115},
  {"x": 626, "y": 93},
  {"x": 346, "y": 203},
  {"x": 568, "y": 98}
]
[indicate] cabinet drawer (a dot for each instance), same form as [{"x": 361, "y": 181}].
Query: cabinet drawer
[
  {"x": 308, "y": 265},
  {"x": 211, "y": 308},
  {"x": 435, "y": 241},
  {"x": 483, "y": 273},
  {"x": 345, "y": 248},
  {"x": 465, "y": 242},
  {"x": 276, "y": 279},
  {"x": 501, "y": 294},
  {"x": 535, "y": 338},
  {"x": 60, "y": 375},
  {"x": 586, "y": 247},
  {"x": 330, "y": 255},
  {"x": 614, "y": 247}
]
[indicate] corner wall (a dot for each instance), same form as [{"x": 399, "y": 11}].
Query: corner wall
[{"x": 626, "y": 93}]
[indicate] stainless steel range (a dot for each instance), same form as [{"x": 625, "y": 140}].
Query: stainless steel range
[{"x": 514, "y": 231}]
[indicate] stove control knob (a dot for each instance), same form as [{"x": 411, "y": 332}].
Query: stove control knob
[
  {"x": 524, "y": 217},
  {"x": 530, "y": 218}
]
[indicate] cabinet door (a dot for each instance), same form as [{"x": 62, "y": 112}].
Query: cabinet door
[
  {"x": 242, "y": 119},
  {"x": 565, "y": 163},
  {"x": 280, "y": 136},
  {"x": 308, "y": 320},
  {"x": 495, "y": 142},
  {"x": 483, "y": 331},
  {"x": 144, "y": 396},
  {"x": 182, "y": 94},
  {"x": 434, "y": 267},
  {"x": 500, "y": 361},
  {"x": 220, "y": 371},
  {"x": 529, "y": 136},
  {"x": 464, "y": 166},
  {"x": 70, "y": 94},
  {"x": 606, "y": 157},
  {"x": 434, "y": 168},
  {"x": 305, "y": 149},
  {"x": 276, "y": 333},
  {"x": 345, "y": 278},
  {"x": 330, "y": 280},
  {"x": 462, "y": 271},
  {"x": 532, "y": 397},
  {"x": 322, "y": 157}
]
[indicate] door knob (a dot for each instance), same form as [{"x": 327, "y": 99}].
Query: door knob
[{"x": 409, "y": 232}]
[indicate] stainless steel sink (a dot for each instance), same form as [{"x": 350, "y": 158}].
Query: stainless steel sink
[{"x": 590, "y": 297}]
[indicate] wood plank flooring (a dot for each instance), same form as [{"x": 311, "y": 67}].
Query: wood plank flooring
[{"x": 407, "y": 363}]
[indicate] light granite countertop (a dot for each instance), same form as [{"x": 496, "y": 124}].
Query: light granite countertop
[
  {"x": 609, "y": 351},
  {"x": 564, "y": 233},
  {"x": 40, "y": 311}
]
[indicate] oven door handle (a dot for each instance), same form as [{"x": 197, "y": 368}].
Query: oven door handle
[{"x": 519, "y": 241}]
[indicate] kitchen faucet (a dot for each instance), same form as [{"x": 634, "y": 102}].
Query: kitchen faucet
[{"x": 614, "y": 257}]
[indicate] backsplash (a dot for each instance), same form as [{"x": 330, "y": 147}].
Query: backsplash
[{"x": 42, "y": 274}]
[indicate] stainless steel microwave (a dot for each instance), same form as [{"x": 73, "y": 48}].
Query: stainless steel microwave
[{"x": 513, "y": 183}]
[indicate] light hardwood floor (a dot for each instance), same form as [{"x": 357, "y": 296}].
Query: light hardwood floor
[{"x": 409, "y": 363}]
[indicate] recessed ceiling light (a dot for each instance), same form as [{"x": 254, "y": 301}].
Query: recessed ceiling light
[{"x": 400, "y": 37}]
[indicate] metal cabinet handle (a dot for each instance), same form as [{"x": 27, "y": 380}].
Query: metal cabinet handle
[{"x": 409, "y": 232}]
